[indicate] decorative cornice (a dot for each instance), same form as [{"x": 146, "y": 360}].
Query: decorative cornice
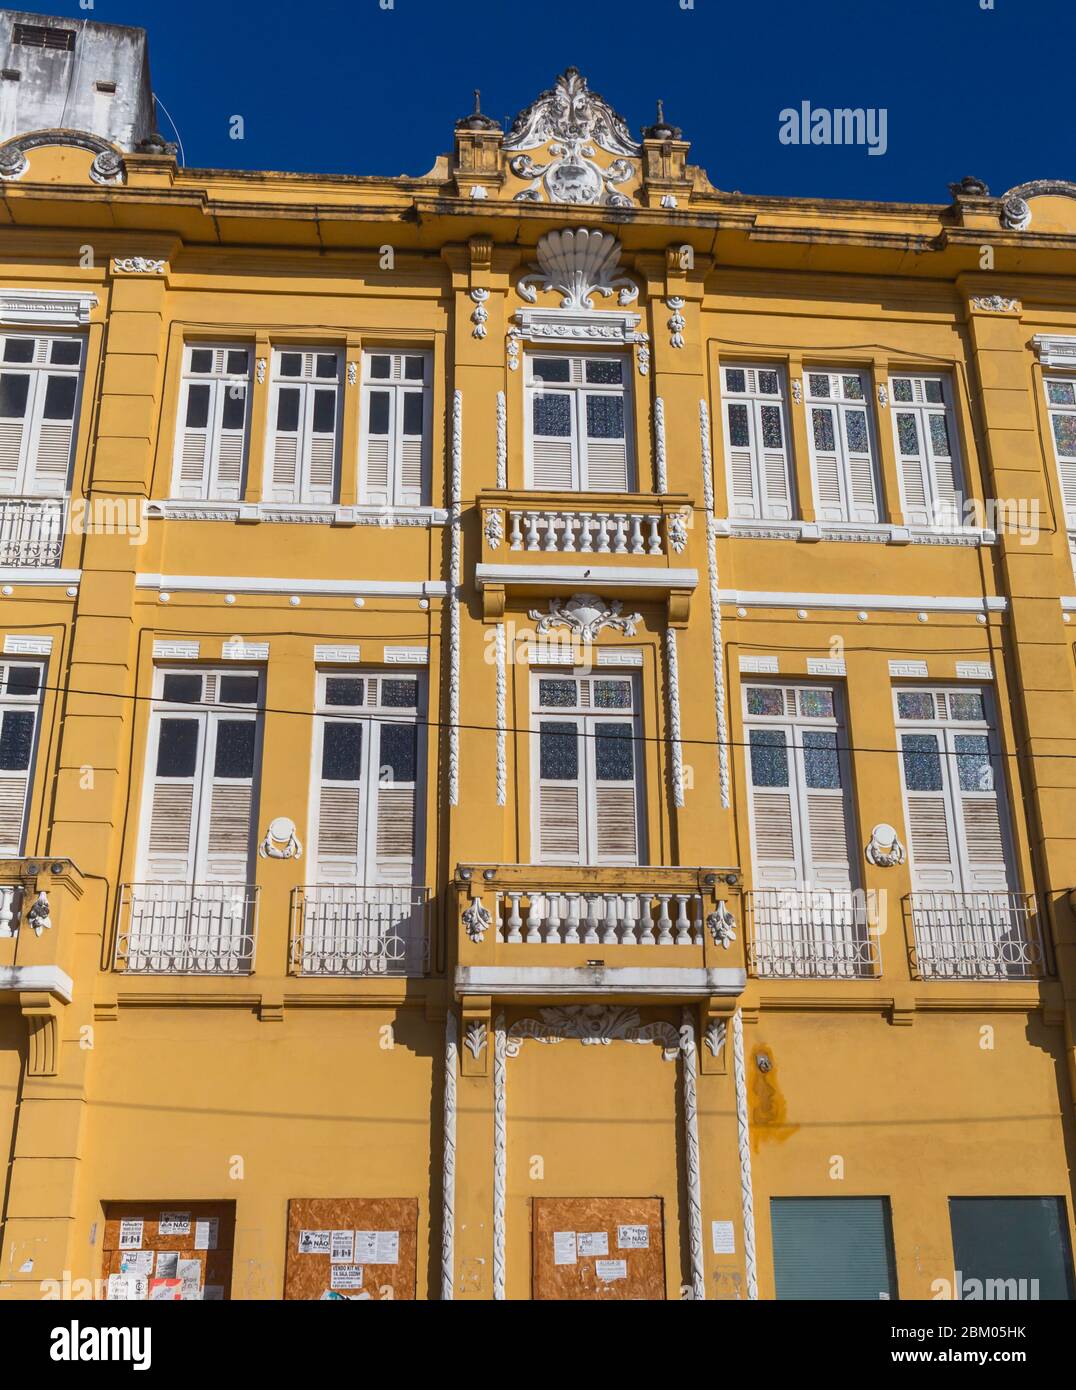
[{"x": 1055, "y": 349}]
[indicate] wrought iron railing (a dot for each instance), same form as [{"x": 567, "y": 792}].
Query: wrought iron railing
[
  {"x": 976, "y": 936},
  {"x": 32, "y": 531},
  {"x": 352, "y": 930},
  {"x": 811, "y": 933},
  {"x": 187, "y": 929}
]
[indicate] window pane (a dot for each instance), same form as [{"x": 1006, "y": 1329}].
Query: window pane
[
  {"x": 235, "y": 406},
  {"x": 16, "y": 740},
  {"x": 65, "y": 352},
  {"x": 767, "y": 383},
  {"x": 739, "y": 430},
  {"x": 291, "y": 364},
  {"x": 381, "y": 367},
  {"x": 235, "y": 748},
  {"x": 177, "y": 748},
  {"x": 1016, "y": 1247},
  {"x": 853, "y": 388},
  {"x": 821, "y": 764},
  {"x": 377, "y": 420},
  {"x": 23, "y": 680},
  {"x": 60, "y": 397},
  {"x": 239, "y": 690},
  {"x": 816, "y": 704},
  {"x": 613, "y": 752},
  {"x": 341, "y": 753},
  {"x": 605, "y": 417},
  {"x": 414, "y": 368},
  {"x": 855, "y": 428},
  {"x": 324, "y": 412},
  {"x": 1064, "y": 432},
  {"x": 399, "y": 694},
  {"x": 908, "y": 434},
  {"x": 769, "y": 758},
  {"x": 325, "y": 365},
  {"x": 765, "y": 699},
  {"x": 973, "y": 764},
  {"x": 556, "y": 694},
  {"x": 818, "y": 384},
  {"x": 558, "y": 750},
  {"x": 13, "y": 392},
  {"x": 183, "y": 689},
  {"x": 612, "y": 694},
  {"x": 412, "y": 413},
  {"x": 197, "y": 407},
  {"x": 939, "y": 435},
  {"x": 922, "y": 762},
  {"x": 553, "y": 415},
  {"x": 399, "y": 745},
  {"x": 735, "y": 379},
  {"x": 915, "y": 704},
  {"x": 605, "y": 371},
  {"x": 19, "y": 350},
  {"x": 772, "y": 435},
  {"x": 343, "y": 690},
  {"x": 237, "y": 362},
  {"x": 902, "y": 389},
  {"x": 552, "y": 369},
  {"x": 833, "y": 1248},
  {"x": 287, "y": 409},
  {"x": 966, "y": 704},
  {"x": 1061, "y": 393},
  {"x": 933, "y": 392},
  {"x": 201, "y": 359},
  {"x": 822, "y": 425}
]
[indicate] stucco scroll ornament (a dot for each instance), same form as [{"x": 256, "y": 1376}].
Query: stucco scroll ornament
[
  {"x": 138, "y": 265},
  {"x": 13, "y": 162},
  {"x": 40, "y": 915},
  {"x": 281, "y": 841},
  {"x": 677, "y": 322},
  {"x": 585, "y": 615},
  {"x": 1015, "y": 215},
  {"x": 481, "y": 313},
  {"x": 578, "y": 263},
  {"x": 593, "y": 1025},
  {"x": 476, "y": 919},
  {"x": 107, "y": 167},
  {"x": 884, "y": 849},
  {"x": 722, "y": 925},
  {"x": 995, "y": 304}
]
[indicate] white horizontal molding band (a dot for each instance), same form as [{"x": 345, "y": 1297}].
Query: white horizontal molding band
[
  {"x": 932, "y": 603},
  {"x": 330, "y": 588},
  {"x": 182, "y": 509},
  {"x": 31, "y": 574},
  {"x": 58, "y": 308},
  {"x": 47, "y": 978},
  {"x": 1068, "y": 603},
  {"x": 545, "y": 982},
  {"x": 586, "y": 576},
  {"x": 865, "y": 532}
]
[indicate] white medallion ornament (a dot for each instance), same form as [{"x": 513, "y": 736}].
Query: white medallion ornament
[{"x": 585, "y": 615}]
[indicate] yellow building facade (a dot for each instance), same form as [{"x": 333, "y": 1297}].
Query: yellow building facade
[{"x": 538, "y": 719}]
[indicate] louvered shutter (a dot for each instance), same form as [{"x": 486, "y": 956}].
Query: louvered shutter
[
  {"x": 285, "y": 444},
  {"x": 560, "y": 793},
  {"x": 613, "y": 838},
  {"x": 1063, "y": 427},
  {"x": 944, "y": 466},
  {"x": 338, "y": 852},
  {"x": 394, "y": 834},
  {"x": 774, "y": 814},
  {"x": 13, "y": 790},
  {"x": 603, "y": 421},
  {"x": 50, "y": 463},
  {"x": 776, "y": 484},
  {"x": 17, "y": 731},
  {"x": 173, "y": 794},
  {"x": 15, "y": 405},
  {"x": 824, "y": 439},
  {"x": 230, "y": 797},
  {"x": 379, "y": 446},
  {"x": 192, "y": 476},
  {"x": 321, "y": 444},
  {"x": 932, "y": 842},
  {"x": 862, "y": 487},
  {"x": 230, "y": 447},
  {"x": 739, "y": 449},
  {"x": 410, "y": 488},
  {"x": 912, "y": 457},
  {"x": 986, "y": 862}
]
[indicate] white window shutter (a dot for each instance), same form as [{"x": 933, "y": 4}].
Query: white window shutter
[
  {"x": 776, "y": 861},
  {"x": 337, "y": 849},
  {"x": 410, "y": 488},
  {"x": 284, "y": 476},
  {"x": 13, "y": 791},
  {"x": 915, "y": 486},
  {"x": 831, "y": 849},
  {"x": 1066, "y": 468},
  {"x": 395, "y": 840},
  {"x": 931, "y": 842},
  {"x": 559, "y": 823},
  {"x": 12, "y": 433},
  {"x": 551, "y": 464},
  {"x": 51, "y": 463},
  {"x": 615, "y": 823},
  {"x": 170, "y": 836},
  {"x": 322, "y": 468},
  {"x": 824, "y": 441},
  {"x": 376, "y": 487},
  {"x": 229, "y": 830}
]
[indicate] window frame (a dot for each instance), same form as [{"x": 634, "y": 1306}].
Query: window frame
[
  {"x": 935, "y": 509},
  {"x": 1062, "y": 462},
  {"x": 17, "y": 703},
  {"x": 398, "y": 388},
  {"x": 40, "y": 373},
  {"x": 305, "y": 433},
  {"x": 840, "y": 407},
  {"x": 754, "y": 399},
  {"x": 210, "y": 489}
]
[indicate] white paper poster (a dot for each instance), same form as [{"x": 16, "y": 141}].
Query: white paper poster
[
  {"x": 206, "y": 1232},
  {"x": 342, "y": 1247},
  {"x": 564, "y": 1247},
  {"x": 608, "y": 1270},
  {"x": 167, "y": 1264},
  {"x": 137, "y": 1262},
  {"x": 174, "y": 1223},
  {"x": 346, "y": 1277},
  {"x": 314, "y": 1242},
  {"x": 592, "y": 1243},
  {"x": 724, "y": 1234},
  {"x": 130, "y": 1235},
  {"x": 633, "y": 1237},
  {"x": 189, "y": 1273},
  {"x": 124, "y": 1288},
  {"x": 377, "y": 1247}
]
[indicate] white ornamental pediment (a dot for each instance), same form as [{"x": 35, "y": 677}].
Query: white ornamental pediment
[{"x": 577, "y": 264}]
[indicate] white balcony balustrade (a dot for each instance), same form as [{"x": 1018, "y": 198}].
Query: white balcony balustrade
[
  {"x": 187, "y": 929},
  {"x": 351, "y": 930},
  {"x": 11, "y": 895},
  {"x": 586, "y": 533},
  {"x": 976, "y": 936},
  {"x": 31, "y": 531},
  {"x": 810, "y": 934},
  {"x": 608, "y": 919}
]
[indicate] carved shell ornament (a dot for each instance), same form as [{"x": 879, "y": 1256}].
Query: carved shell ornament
[{"x": 578, "y": 263}]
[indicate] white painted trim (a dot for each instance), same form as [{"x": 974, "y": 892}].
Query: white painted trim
[
  {"x": 30, "y": 574},
  {"x": 676, "y": 747},
  {"x": 406, "y": 656},
  {"x": 500, "y": 1152},
  {"x": 619, "y": 656},
  {"x": 502, "y": 715},
  {"x": 448, "y": 1161},
  {"x": 576, "y": 326},
  {"x": 888, "y": 602},
  {"x": 1068, "y": 603},
  {"x": 340, "y": 655},
  {"x": 332, "y": 588},
  {"x": 455, "y": 559},
  {"x": 1055, "y": 349},
  {"x": 867, "y": 532},
  {"x": 759, "y": 665},
  {"x": 825, "y": 666},
  {"x": 56, "y": 308},
  {"x": 48, "y": 978},
  {"x": 244, "y": 651},
  {"x": 743, "y": 1135},
  {"x": 916, "y": 669},
  {"x": 299, "y": 513},
  {"x": 692, "y": 1163},
  {"x": 586, "y": 577},
  {"x": 717, "y": 652},
  {"x": 974, "y": 671},
  {"x": 542, "y": 982},
  {"x": 164, "y": 650},
  {"x": 23, "y": 644}
]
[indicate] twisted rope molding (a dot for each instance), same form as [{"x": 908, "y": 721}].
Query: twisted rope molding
[
  {"x": 500, "y": 1151},
  {"x": 454, "y": 604},
  {"x": 744, "y": 1139},
  {"x": 448, "y": 1177},
  {"x": 694, "y": 1167},
  {"x": 502, "y": 440},
  {"x": 502, "y": 718},
  {"x": 677, "y": 751},
  {"x": 659, "y": 445},
  {"x": 720, "y": 713}
]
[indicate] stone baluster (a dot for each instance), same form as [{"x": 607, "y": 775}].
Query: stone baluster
[
  {"x": 592, "y": 917},
  {"x": 664, "y": 921},
  {"x": 646, "y": 918},
  {"x": 532, "y": 531},
  {"x": 609, "y": 936},
  {"x": 571, "y": 922},
  {"x": 571, "y": 521},
  {"x": 549, "y": 521},
  {"x": 655, "y": 535},
  {"x": 683, "y": 926},
  {"x": 636, "y": 540},
  {"x": 696, "y": 920},
  {"x": 7, "y": 910},
  {"x": 534, "y": 919},
  {"x": 586, "y": 526},
  {"x": 515, "y": 536},
  {"x": 514, "y": 920},
  {"x": 628, "y": 919},
  {"x": 552, "y": 921},
  {"x": 620, "y": 544},
  {"x": 603, "y": 533}
]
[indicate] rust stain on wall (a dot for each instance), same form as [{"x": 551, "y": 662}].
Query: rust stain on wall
[{"x": 769, "y": 1109}]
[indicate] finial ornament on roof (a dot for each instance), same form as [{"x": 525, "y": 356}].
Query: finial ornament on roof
[
  {"x": 476, "y": 120},
  {"x": 661, "y": 129},
  {"x": 569, "y": 111}
]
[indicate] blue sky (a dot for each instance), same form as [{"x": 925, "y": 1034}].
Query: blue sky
[{"x": 344, "y": 86}]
